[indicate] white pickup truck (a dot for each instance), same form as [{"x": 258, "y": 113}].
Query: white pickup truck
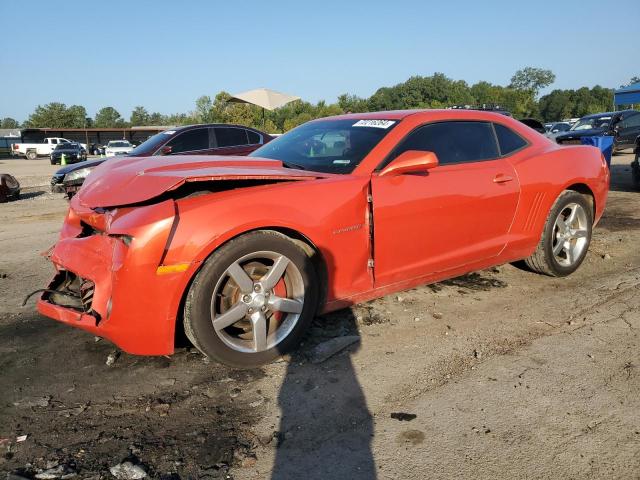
[{"x": 34, "y": 150}]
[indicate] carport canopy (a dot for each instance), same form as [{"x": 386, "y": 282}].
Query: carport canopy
[
  {"x": 263, "y": 97},
  {"x": 627, "y": 95}
]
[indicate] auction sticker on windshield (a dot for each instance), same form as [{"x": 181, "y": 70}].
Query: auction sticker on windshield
[{"x": 374, "y": 123}]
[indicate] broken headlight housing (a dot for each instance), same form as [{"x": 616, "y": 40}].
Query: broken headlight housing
[{"x": 81, "y": 173}]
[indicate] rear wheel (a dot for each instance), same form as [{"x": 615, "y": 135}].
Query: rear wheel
[
  {"x": 31, "y": 155},
  {"x": 566, "y": 236},
  {"x": 252, "y": 301}
]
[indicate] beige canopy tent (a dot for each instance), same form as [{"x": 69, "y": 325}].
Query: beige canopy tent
[{"x": 265, "y": 98}]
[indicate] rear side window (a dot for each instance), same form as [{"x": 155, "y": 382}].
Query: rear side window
[
  {"x": 197, "y": 139},
  {"x": 508, "y": 140},
  {"x": 254, "y": 138},
  {"x": 230, "y": 137},
  {"x": 453, "y": 142}
]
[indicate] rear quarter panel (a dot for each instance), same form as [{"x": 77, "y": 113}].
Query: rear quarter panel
[{"x": 544, "y": 173}]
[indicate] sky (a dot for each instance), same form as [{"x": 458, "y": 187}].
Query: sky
[{"x": 163, "y": 55}]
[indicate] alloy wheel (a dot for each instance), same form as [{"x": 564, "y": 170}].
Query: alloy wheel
[
  {"x": 570, "y": 234},
  {"x": 257, "y": 301}
]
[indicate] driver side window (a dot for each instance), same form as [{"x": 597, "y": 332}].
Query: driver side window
[{"x": 453, "y": 142}]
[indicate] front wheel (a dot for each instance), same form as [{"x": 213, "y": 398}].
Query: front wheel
[
  {"x": 252, "y": 300},
  {"x": 565, "y": 238}
]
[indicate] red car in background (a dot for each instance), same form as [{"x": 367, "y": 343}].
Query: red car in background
[
  {"x": 205, "y": 139},
  {"x": 244, "y": 251}
]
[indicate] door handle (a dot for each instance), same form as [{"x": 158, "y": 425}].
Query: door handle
[{"x": 502, "y": 178}]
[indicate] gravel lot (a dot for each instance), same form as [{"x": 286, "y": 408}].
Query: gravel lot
[{"x": 500, "y": 374}]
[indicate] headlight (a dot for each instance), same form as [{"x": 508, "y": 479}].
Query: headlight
[{"x": 76, "y": 174}]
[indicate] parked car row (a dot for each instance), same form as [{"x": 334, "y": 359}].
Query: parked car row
[{"x": 624, "y": 126}]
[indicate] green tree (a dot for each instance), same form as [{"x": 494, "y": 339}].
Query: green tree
[
  {"x": 9, "y": 122},
  {"x": 560, "y": 104},
  {"x": 139, "y": 116},
  {"x": 352, "y": 103},
  {"x": 108, "y": 117},
  {"x": 204, "y": 109},
  {"x": 54, "y": 115},
  {"x": 76, "y": 117},
  {"x": 157, "y": 119},
  {"x": 532, "y": 79},
  {"x": 631, "y": 82}
]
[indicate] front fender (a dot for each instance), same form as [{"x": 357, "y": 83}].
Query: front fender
[{"x": 332, "y": 214}]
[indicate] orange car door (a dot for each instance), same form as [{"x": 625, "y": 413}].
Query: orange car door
[{"x": 457, "y": 213}]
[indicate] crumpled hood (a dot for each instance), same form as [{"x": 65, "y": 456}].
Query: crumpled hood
[{"x": 128, "y": 180}]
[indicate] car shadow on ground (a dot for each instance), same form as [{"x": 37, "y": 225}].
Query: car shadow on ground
[
  {"x": 621, "y": 180},
  {"x": 325, "y": 427},
  {"x": 29, "y": 195}
]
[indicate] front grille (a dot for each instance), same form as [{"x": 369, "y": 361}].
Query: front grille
[{"x": 72, "y": 291}]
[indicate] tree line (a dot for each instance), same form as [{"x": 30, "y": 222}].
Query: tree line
[{"x": 520, "y": 97}]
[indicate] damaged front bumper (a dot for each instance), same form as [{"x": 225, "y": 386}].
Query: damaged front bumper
[{"x": 107, "y": 279}]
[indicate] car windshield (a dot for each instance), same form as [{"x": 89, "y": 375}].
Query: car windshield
[
  {"x": 329, "y": 146},
  {"x": 119, "y": 144},
  {"x": 593, "y": 122},
  {"x": 151, "y": 144},
  {"x": 66, "y": 146}
]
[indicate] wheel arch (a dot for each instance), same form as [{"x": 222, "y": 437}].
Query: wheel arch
[
  {"x": 303, "y": 241},
  {"x": 586, "y": 191}
]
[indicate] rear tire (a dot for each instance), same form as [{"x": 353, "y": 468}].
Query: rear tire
[
  {"x": 31, "y": 155},
  {"x": 236, "y": 314},
  {"x": 566, "y": 236}
]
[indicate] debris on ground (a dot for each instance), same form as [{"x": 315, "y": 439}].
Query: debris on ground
[
  {"x": 112, "y": 357},
  {"x": 33, "y": 402},
  {"x": 55, "y": 471},
  {"x": 403, "y": 417},
  {"x": 127, "y": 471},
  {"x": 328, "y": 349}
]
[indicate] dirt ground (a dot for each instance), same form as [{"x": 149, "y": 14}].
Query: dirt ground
[{"x": 499, "y": 374}]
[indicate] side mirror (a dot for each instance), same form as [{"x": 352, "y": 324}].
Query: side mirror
[
  {"x": 166, "y": 150},
  {"x": 411, "y": 161}
]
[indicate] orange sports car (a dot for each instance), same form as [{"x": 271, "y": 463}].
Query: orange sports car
[{"x": 244, "y": 251}]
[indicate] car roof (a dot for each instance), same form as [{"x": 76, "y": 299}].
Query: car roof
[
  {"x": 427, "y": 114},
  {"x": 200, "y": 125},
  {"x": 608, "y": 114}
]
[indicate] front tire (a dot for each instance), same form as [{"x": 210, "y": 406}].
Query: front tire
[
  {"x": 565, "y": 238},
  {"x": 252, "y": 301}
]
